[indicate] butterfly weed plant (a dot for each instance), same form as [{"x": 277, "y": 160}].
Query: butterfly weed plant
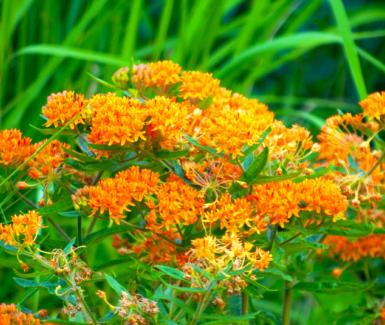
[{"x": 213, "y": 210}]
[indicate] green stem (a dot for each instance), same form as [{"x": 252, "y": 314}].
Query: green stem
[
  {"x": 287, "y": 298},
  {"x": 245, "y": 303}
]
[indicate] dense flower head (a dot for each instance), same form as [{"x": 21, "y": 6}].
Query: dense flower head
[
  {"x": 341, "y": 137},
  {"x": 238, "y": 123},
  {"x": 234, "y": 215},
  {"x": 288, "y": 143},
  {"x": 23, "y": 229},
  {"x": 342, "y": 143},
  {"x": 64, "y": 106},
  {"x": 11, "y": 315},
  {"x": 115, "y": 195},
  {"x": 280, "y": 201},
  {"x": 374, "y": 105},
  {"x": 354, "y": 250},
  {"x": 14, "y": 147},
  {"x": 116, "y": 120},
  {"x": 198, "y": 86},
  {"x": 177, "y": 204},
  {"x": 168, "y": 122},
  {"x": 216, "y": 254},
  {"x": 211, "y": 174},
  {"x": 47, "y": 162},
  {"x": 161, "y": 74}
]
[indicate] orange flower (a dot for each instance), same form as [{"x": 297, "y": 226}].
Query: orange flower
[
  {"x": 47, "y": 163},
  {"x": 239, "y": 122},
  {"x": 198, "y": 85},
  {"x": 10, "y": 315},
  {"x": 374, "y": 105},
  {"x": 169, "y": 120},
  {"x": 289, "y": 144},
  {"x": 353, "y": 250},
  {"x": 62, "y": 107},
  {"x": 115, "y": 195},
  {"x": 177, "y": 204},
  {"x": 216, "y": 254},
  {"x": 233, "y": 215},
  {"x": 212, "y": 174},
  {"x": 23, "y": 229},
  {"x": 282, "y": 200},
  {"x": 161, "y": 74},
  {"x": 116, "y": 120},
  {"x": 14, "y": 148}
]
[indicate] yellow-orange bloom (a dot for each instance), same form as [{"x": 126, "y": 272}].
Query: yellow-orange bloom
[
  {"x": 23, "y": 229},
  {"x": 14, "y": 148},
  {"x": 282, "y": 200},
  {"x": 168, "y": 122},
  {"x": 353, "y": 250},
  {"x": 374, "y": 105},
  {"x": 177, "y": 204},
  {"x": 198, "y": 85},
  {"x": 161, "y": 74},
  {"x": 288, "y": 143},
  {"x": 47, "y": 163},
  {"x": 234, "y": 215},
  {"x": 64, "y": 106},
  {"x": 238, "y": 122},
  {"x": 10, "y": 315},
  {"x": 116, "y": 120},
  {"x": 115, "y": 195}
]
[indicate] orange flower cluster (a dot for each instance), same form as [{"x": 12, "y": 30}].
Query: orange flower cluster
[
  {"x": 216, "y": 254},
  {"x": 236, "y": 122},
  {"x": 353, "y": 250},
  {"x": 289, "y": 144},
  {"x": 116, "y": 120},
  {"x": 14, "y": 148},
  {"x": 198, "y": 86},
  {"x": 374, "y": 105},
  {"x": 162, "y": 74},
  {"x": 48, "y": 161},
  {"x": 115, "y": 195},
  {"x": 282, "y": 200},
  {"x": 10, "y": 315},
  {"x": 23, "y": 229},
  {"x": 343, "y": 143},
  {"x": 211, "y": 174},
  {"x": 168, "y": 121},
  {"x": 234, "y": 215},
  {"x": 64, "y": 106},
  {"x": 177, "y": 204}
]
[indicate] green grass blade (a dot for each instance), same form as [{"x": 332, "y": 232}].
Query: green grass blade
[
  {"x": 163, "y": 28},
  {"x": 299, "y": 40},
  {"x": 73, "y": 53},
  {"x": 342, "y": 20},
  {"x": 132, "y": 29}
]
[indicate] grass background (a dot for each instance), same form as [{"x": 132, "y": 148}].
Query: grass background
[{"x": 307, "y": 59}]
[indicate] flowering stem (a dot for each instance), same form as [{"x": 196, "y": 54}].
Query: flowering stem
[
  {"x": 59, "y": 229},
  {"x": 378, "y": 162},
  {"x": 245, "y": 303},
  {"x": 287, "y": 303},
  {"x": 290, "y": 239}
]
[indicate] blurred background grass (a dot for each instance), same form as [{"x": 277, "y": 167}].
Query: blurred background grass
[{"x": 306, "y": 59}]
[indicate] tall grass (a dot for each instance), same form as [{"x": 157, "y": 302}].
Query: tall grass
[{"x": 308, "y": 50}]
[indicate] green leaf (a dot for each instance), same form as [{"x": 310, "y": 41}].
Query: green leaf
[
  {"x": 332, "y": 287},
  {"x": 172, "y": 272},
  {"x": 256, "y": 166},
  {"x": 195, "y": 143},
  {"x": 115, "y": 285},
  {"x": 165, "y": 154}
]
